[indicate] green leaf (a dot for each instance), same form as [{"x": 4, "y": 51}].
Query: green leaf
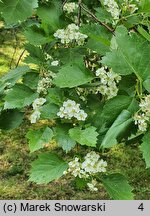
[
  {"x": 47, "y": 168},
  {"x": 38, "y": 138},
  {"x": 71, "y": 55},
  {"x": 145, "y": 6},
  {"x": 49, "y": 111},
  {"x": 50, "y": 15},
  {"x": 31, "y": 80},
  {"x": 14, "y": 75},
  {"x": 55, "y": 95},
  {"x": 86, "y": 136},
  {"x": 120, "y": 125},
  {"x": 118, "y": 187},
  {"x": 99, "y": 38},
  {"x": 103, "y": 15},
  {"x": 17, "y": 10},
  {"x": 131, "y": 56},
  {"x": 36, "y": 36},
  {"x": 72, "y": 75},
  {"x": 114, "y": 106},
  {"x": 145, "y": 148},
  {"x": 10, "y": 119},
  {"x": 146, "y": 85},
  {"x": 35, "y": 56},
  {"x": 144, "y": 33},
  {"x": 19, "y": 96},
  {"x": 63, "y": 139},
  {"x": 127, "y": 85}
]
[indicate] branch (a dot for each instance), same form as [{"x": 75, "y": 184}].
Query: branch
[
  {"x": 79, "y": 12},
  {"x": 64, "y": 2},
  {"x": 19, "y": 59},
  {"x": 96, "y": 19},
  {"x": 15, "y": 49}
]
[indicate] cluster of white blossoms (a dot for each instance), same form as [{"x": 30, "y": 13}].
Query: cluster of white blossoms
[
  {"x": 109, "y": 81},
  {"x": 71, "y": 109},
  {"x": 142, "y": 119},
  {"x": 45, "y": 82},
  {"x": 55, "y": 63},
  {"x": 91, "y": 165},
  {"x": 36, "y": 106},
  {"x": 50, "y": 58},
  {"x": 92, "y": 185},
  {"x": 129, "y": 5},
  {"x": 70, "y": 34},
  {"x": 113, "y": 8},
  {"x": 70, "y": 7}
]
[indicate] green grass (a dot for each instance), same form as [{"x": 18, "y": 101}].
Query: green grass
[{"x": 15, "y": 158}]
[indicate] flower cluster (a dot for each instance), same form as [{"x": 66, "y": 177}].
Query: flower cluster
[
  {"x": 70, "y": 7},
  {"x": 92, "y": 185},
  {"x": 113, "y": 8},
  {"x": 142, "y": 119},
  {"x": 91, "y": 165},
  {"x": 71, "y": 109},
  {"x": 45, "y": 82},
  {"x": 129, "y": 5},
  {"x": 55, "y": 63},
  {"x": 70, "y": 34},
  {"x": 109, "y": 81},
  {"x": 36, "y": 106}
]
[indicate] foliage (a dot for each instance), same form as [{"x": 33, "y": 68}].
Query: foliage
[{"x": 90, "y": 85}]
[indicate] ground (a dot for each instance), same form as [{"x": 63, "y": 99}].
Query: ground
[{"x": 15, "y": 157}]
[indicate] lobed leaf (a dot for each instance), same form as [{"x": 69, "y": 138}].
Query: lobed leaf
[
  {"x": 118, "y": 187},
  {"x": 38, "y": 138},
  {"x": 145, "y": 148},
  {"x": 19, "y": 96},
  {"x": 47, "y": 168},
  {"x": 15, "y": 11},
  {"x": 87, "y": 136}
]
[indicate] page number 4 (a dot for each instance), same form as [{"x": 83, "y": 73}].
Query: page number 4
[{"x": 141, "y": 207}]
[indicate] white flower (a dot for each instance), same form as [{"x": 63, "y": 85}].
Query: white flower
[
  {"x": 38, "y": 102},
  {"x": 101, "y": 166},
  {"x": 70, "y": 7},
  {"x": 45, "y": 82},
  {"x": 113, "y": 8},
  {"x": 142, "y": 121},
  {"x": 91, "y": 165},
  {"x": 145, "y": 105},
  {"x": 61, "y": 112},
  {"x": 55, "y": 63},
  {"x": 70, "y": 34},
  {"x": 81, "y": 115},
  {"x": 48, "y": 57},
  {"x": 108, "y": 79},
  {"x": 71, "y": 109},
  {"x": 92, "y": 185},
  {"x": 35, "y": 116}
]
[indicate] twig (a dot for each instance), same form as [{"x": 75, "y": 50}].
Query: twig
[
  {"x": 19, "y": 59},
  {"x": 79, "y": 12},
  {"x": 96, "y": 19},
  {"x": 15, "y": 48},
  {"x": 64, "y": 2}
]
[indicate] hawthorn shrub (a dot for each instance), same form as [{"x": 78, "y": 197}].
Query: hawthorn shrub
[{"x": 86, "y": 79}]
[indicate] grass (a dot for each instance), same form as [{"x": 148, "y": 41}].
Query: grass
[
  {"x": 15, "y": 158},
  {"x": 11, "y": 48}
]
